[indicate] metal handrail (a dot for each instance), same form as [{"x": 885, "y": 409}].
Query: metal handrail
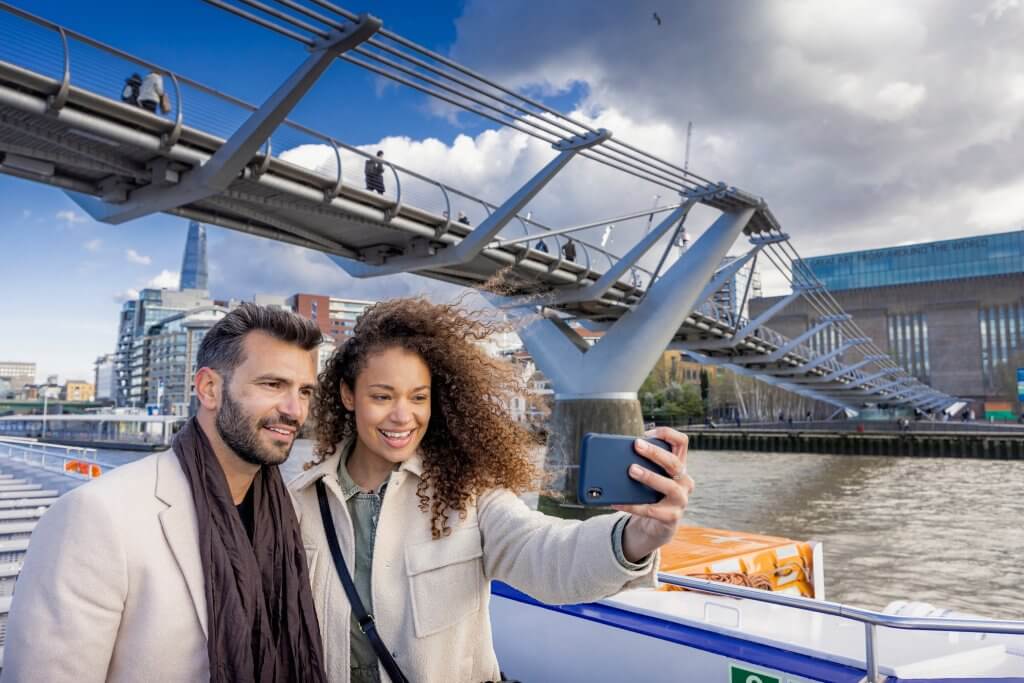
[
  {"x": 20, "y": 452},
  {"x": 869, "y": 618}
]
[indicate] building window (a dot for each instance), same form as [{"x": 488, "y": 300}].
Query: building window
[
  {"x": 1002, "y": 334},
  {"x": 908, "y": 342}
]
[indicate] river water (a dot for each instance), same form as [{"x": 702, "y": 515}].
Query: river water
[{"x": 945, "y": 531}]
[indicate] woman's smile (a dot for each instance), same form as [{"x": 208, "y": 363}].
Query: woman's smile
[{"x": 396, "y": 439}]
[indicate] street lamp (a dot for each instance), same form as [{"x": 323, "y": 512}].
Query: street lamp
[{"x": 46, "y": 398}]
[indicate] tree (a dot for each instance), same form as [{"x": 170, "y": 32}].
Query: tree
[{"x": 705, "y": 391}]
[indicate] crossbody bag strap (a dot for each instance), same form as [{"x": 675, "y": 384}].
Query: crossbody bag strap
[{"x": 366, "y": 623}]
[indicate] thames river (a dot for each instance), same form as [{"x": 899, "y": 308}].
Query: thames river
[{"x": 945, "y": 531}]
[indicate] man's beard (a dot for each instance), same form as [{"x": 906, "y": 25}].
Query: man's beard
[{"x": 241, "y": 432}]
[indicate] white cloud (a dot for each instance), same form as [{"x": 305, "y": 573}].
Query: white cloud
[
  {"x": 93, "y": 245},
  {"x": 126, "y": 295},
  {"x": 167, "y": 279},
  {"x": 135, "y": 257},
  {"x": 70, "y": 217}
]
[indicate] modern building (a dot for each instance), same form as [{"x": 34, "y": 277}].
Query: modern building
[
  {"x": 738, "y": 290},
  {"x": 950, "y": 312},
  {"x": 137, "y": 317},
  {"x": 78, "y": 390},
  {"x": 105, "y": 379},
  {"x": 151, "y": 307},
  {"x": 17, "y": 375},
  {"x": 170, "y": 348},
  {"x": 17, "y": 369},
  {"x": 334, "y": 316},
  {"x": 194, "y": 273}
]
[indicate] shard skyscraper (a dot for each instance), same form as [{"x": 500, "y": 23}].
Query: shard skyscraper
[{"x": 193, "y": 265}]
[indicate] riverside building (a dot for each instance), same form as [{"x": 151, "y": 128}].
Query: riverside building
[
  {"x": 951, "y": 312},
  {"x": 334, "y": 316}
]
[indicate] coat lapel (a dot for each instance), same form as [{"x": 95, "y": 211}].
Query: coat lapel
[{"x": 181, "y": 529}]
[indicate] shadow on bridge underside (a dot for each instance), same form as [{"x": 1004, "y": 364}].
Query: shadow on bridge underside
[{"x": 219, "y": 160}]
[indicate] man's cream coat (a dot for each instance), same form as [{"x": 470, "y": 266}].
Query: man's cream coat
[
  {"x": 112, "y": 587},
  {"x": 431, "y": 598}
]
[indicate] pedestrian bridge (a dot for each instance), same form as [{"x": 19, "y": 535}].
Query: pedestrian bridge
[{"x": 217, "y": 159}]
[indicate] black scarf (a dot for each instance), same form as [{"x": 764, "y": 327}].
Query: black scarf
[{"x": 261, "y": 622}]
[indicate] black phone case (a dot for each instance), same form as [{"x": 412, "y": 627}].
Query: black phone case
[{"x": 604, "y": 471}]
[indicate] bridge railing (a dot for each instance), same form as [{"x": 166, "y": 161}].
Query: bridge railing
[{"x": 71, "y": 461}]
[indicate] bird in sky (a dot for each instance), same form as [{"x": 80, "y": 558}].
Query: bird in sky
[{"x": 657, "y": 18}]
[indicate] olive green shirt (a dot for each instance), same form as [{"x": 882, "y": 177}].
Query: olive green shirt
[{"x": 364, "y": 508}]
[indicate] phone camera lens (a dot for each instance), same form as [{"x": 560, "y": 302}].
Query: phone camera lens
[{"x": 594, "y": 492}]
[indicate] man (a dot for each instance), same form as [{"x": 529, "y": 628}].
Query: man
[
  {"x": 186, "y": 565},
  {"x": 373, "y": 169}
]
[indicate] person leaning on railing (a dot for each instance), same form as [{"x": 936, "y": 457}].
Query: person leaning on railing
[{"x": 410, "y": 508}]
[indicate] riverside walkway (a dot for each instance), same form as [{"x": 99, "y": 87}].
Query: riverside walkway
[
  {"x": 220, "y": 160},
  {"x": 918, "y": 439}
]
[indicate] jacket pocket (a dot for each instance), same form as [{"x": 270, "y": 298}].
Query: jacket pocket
[{"x": 446, "y": 580}]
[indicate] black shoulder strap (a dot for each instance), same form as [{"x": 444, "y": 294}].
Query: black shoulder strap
[{"x": 365, "y": 619}]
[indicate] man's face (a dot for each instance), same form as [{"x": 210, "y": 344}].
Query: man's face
[{"x": 266, "y": 399}]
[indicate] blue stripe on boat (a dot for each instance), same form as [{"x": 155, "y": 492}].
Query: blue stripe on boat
[{"x": 743, "y": 650}]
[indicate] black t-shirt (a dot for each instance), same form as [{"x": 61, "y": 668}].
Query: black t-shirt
[{"x": 247, "y": 512}]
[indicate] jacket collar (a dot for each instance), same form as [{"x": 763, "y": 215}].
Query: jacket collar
[{"x": 328, "y": 467}]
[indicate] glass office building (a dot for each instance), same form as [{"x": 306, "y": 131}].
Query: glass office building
[
  {"x": 1000, "y": 254},
  {"x": 194, "y": 272}
]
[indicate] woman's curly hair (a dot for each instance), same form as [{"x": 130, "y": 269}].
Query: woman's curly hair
[{"x": 471, "y": 444}]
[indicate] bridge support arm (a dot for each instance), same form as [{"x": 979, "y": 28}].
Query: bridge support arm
[
  {"x": 227, "y": 162},
  {"x": 870, "y": 378},
  {"x": 778, "y": 353},
  {"x": 612, "y": 275},
  {"x": 836, "y": 374},
  {"x": 634, "y": 343},
  {"x": 748, "y": 329}
]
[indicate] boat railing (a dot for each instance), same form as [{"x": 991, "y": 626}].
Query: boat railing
[
  {"x": 870, "y": 619},
  {"x": 53, "y": 458}
]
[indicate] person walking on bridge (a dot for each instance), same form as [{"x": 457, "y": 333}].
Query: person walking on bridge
[
  {"x": 187, "y": 565},
  {"x": 374, "y": 172},
  {"x": 151, "y": 93}
]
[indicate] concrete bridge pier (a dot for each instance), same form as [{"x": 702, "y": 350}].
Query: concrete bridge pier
[{"x": 595, "y": 386}]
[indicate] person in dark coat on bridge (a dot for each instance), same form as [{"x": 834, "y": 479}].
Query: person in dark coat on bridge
[
  {"x": 374, "y": 171},
  {"x": 541, "y": 246},
  {"x": 569, "y": 251}
]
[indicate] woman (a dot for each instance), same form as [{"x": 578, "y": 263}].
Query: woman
[{"x": 420, "y": 465}]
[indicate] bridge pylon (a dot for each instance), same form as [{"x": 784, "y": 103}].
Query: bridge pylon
[{"x": 596, "y": 386}]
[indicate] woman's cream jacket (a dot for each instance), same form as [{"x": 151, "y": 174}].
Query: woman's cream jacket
[{"x": 430, "y": 597}]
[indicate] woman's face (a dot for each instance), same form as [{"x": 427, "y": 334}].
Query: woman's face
[{"x": 391, "y": 402}]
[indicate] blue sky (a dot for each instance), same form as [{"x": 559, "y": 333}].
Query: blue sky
[{"x": 864, "y": 123}]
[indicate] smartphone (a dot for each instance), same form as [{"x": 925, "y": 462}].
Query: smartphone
[{"x": 604, "y": 471}]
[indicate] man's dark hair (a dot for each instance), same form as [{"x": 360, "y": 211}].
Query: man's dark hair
[{"x": 222, "y": 350}]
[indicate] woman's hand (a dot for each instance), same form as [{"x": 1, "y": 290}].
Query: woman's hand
[{"x": 653, "y": 525}]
